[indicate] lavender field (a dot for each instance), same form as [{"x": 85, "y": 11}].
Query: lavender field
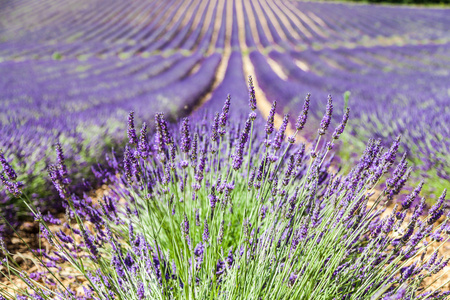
[{"x": 71, "y": 71}]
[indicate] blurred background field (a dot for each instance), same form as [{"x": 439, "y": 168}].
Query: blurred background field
[{"x": 70, "y": 71}]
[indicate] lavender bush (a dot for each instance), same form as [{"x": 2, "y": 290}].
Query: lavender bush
[{"x": 239, "y": 210}]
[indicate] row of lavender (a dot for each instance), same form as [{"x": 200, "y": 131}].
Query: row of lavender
[
  {"x": 71, "y": 71},
  {"x": 80, "y": 102},
  {"x": 394, "y": 90},
  {"x": 35, "y": 30}
]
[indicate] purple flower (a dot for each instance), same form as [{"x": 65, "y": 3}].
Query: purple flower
[
  {"x": 251, "y": 179},
  {"x": 410, "y": 198},
  {"x": 301, "y": 121},
  {"x": 291, "y": 204},
  {"x": 199, "y": 253},
  {"x": 205, "y": 235},
  {"x": 239, "y": 153},
  {"x": 197, "y": 217},
  {"x": 172, "y": 154},
  {"x": 437, "y": 210},
  {"x": 230, "y": 258},
  {"x": 201, "y": 166},
  {"x": 60, "y": 159},
  {"x": 389, "y": 221},
  {"x": 161, "y": 129},
  {"x": 185, "y": 226},
  {"x": 441, "y": 266},
  {"x": 327, "y": 117},
  {"x": 90, "y": 243},
  {"x": 271, "y": 119},
  {"x": 299, "y": 156},
  {"x": 263, "y": 212},
  {"x": 340, "y": 129},
  {"x": 292, "y": 279},
  {"x": 251, "y": 91},
  {"x": 15, "y": 187},
  {"x": 224, "y": 115},
  {"x": 280, "y": 134},
  {"x": 132, "y": 137},
  {"x": 389, "y": 156},
  {"x": 127, "y": 163},
  {"x": 215, "y": 128},
  {"x": 143, "y": 145},
  {"x": 185, "y": 136},
  {"x": 57, "y": 180},
  {"x": 194, "y": 151},
  {"x": 289, "y": 169},
  {"x": 141, "y": 291},
  {"x": 220, "y": 268},
  {"x": 212, "y": 198},
  {"x": 399, "y": 295},
  {"x": 398, "y": 173}
]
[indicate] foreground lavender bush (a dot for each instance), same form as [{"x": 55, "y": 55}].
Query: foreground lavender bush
[{"x": 212, "y": 209}]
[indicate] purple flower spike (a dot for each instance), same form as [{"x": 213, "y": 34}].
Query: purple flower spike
[
  {"x": 340, "y": 129},
  {"x": 327, "y": 117},
  {"x": 215, "y": 128},
  {"x": 389, "y": 156},
  {"x": 127, "y": 163},
  {"x": 61, "y": 160},
  {"x": 90, "y": 243},
  {"x": 132, "y": 137},
  {"x": 270, "y": 119},
  {"x": 212, "y": 198},
  {"x": 185, "y": 136},
  {"x": 299, "y": 156},
  {"x": 230, "y": 258},
  {"x": 7, "y": 168},
  {"x": 224, "y": 115},
  {"x": 280, "y": 134},
  {"x": 251, "y": 91},
  {"x": 389, "y": 221},
  {"x": 141, "y": 291},
  {"x": 301, "y": 121},
  {"x": 199, "y": 252},
  {"x": 15, "y": 187},
  {"x": 289, "y": 169},
  {"x": 292, "y": 279},
  {"x": 251, "y": 179},
  {"x": 143, "y": 145},
  {"x": 201, "y": 166},
  {"x": 436, "y": 211},
  {"x": 194, "y": 151},
  {"x": 185, "y": 226},
  {"x": 197, "y": 217},
  {"x": 161, "y": 129},
  {"x": 205, "y": 235},
  {"x": 239, "y": 154}
]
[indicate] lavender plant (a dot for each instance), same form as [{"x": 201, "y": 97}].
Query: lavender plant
[{"x": 234, "y": 210}]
